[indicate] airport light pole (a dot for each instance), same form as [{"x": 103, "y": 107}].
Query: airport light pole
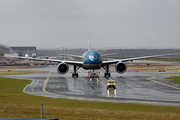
[
  {"x": 63, "y": 53},
  {"x": 66, "y": 53},
  {"x": 41, "y": 111}
]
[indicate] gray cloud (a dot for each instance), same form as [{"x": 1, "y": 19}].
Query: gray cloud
[{"x": 113, "y": 23}]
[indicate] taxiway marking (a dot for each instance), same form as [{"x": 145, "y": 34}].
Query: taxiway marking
[
  {"x": 65, "y": 96},
  {"x": 150, "y": 79},
  {"x": 121, "y": 101},
  {"x": 44, "y": 89},
  {"x": 100, "y": 81},
  {"x": 45, "y": 84}
]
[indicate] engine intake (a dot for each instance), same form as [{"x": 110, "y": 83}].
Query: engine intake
[
  {"x": 62, "y": 68},
  {"x": 121, "y": 67}
]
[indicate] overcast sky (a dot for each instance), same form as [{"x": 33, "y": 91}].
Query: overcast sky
[{"x": 113, "y": 23}]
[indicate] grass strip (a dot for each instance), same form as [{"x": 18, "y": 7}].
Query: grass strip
[
  {"x": 16, "y": 104},
  {"x": 174, "y": 79},
  {"x": 19, "y": 72}
]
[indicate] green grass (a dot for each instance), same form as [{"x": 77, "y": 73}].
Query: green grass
[
  {"x": 18, "y": 72},
  {"x": 16, "y": 104},
  {"x": 174, "y": 79}
]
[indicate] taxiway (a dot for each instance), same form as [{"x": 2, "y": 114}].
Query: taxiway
[{"x": 132, "y": 87}]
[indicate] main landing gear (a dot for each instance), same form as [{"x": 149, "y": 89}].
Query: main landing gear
[
  {"x": 107, "y": 74},
  {"x": 75, "y": 74}
]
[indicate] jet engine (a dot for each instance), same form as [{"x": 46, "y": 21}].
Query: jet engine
[
  {"x": 62, "y": 68},
  {"x": 121, "y": 67}
]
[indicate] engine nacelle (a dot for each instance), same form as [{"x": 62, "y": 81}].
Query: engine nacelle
[
  {"x": 121, "y": 67},
  {"x": 62, "y": 68}
]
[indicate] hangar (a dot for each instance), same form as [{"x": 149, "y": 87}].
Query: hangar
[
  {"x": 6, "y": 49},
  {"x": 23, "y": 50}
]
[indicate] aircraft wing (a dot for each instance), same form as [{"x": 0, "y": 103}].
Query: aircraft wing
[
  {"x": 109, "y": 54},
  {"x": 78, "y": 63},
  {"x": 131, "y": 59},
  {"x": 71, "y": 55}
]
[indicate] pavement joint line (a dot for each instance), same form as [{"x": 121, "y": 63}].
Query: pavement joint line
[
  {"x": 122, "y": 101},
  {"x": 150, "y": 79},
  {"x": 44, "y": 89}
]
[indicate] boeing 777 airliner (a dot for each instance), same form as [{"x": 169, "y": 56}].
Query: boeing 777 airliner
[{"x": 92, "y": 60}]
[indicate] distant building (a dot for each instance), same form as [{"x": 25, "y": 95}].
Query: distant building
[
  {"x": 6, "y": 49},
  {"x": 23, "y": 50}
]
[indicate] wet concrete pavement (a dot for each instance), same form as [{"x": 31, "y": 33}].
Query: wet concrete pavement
[{"x": 132, "y": 87}]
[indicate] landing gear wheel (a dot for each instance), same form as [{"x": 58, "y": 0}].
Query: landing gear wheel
[
  {"x": 106, "y": 75},
  {"x": 109, "y": 74},
  {"x": 75, "y": 75}
]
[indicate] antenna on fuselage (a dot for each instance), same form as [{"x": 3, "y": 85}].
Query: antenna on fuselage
[{"x": 88, "y": 38}]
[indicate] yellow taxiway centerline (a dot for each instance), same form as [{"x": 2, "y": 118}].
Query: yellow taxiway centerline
[
  {"x": 150, "y": 79},
  {"x": 100, "y": 81},
  {"x": 44, "y": 88},
  {"x": 45, "y": 84}
]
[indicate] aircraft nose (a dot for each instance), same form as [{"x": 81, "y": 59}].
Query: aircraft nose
[{"x": 94, "y": 61}]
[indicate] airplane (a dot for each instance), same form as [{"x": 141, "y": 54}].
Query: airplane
[
  {"x": 27, "y": 55},
  {"x": 34, "y": 55},
  {"x": 92, "y": 60}
]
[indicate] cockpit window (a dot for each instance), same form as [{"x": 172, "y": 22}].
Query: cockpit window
[{"x": 90, "y": 57}]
